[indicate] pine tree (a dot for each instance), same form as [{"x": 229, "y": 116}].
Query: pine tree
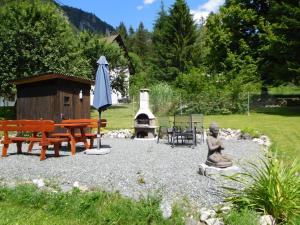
[
  {"x": 142, "y": 42},
  {"x": 179, "y": 36},
  {"x": 122, "y": 30},
  {"x": 159, "y": 46}
]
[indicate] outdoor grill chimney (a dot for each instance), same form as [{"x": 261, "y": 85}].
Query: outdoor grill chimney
[{"x": 144, "y": 118}]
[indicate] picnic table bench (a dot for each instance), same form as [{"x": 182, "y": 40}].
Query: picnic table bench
[
  {"x": 34, "y": 127},
  {"x": 80, "y": 124}
]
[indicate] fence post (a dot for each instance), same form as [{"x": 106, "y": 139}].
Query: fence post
[{"x": 248, "y": 104}]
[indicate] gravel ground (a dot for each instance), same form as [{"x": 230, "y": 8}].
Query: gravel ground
[{"x": 133, "y": 167}]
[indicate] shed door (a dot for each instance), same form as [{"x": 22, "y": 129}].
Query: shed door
[{"x": 67, "y": 112}]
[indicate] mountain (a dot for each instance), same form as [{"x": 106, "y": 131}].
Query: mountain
[{"x": 86, "y": 21}]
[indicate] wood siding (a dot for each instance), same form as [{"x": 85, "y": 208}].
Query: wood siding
[{"x": 47, "y": 100}]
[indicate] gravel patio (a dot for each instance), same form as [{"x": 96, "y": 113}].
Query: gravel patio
[{"x": 133, "y": 168}]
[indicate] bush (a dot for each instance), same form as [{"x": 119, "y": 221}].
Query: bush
[
  {"x": 243, "y": 217},
  {"x": 214, "y": 93},
  {"x": 272, "y": 188},
  {"x": 7, "y": 112}
]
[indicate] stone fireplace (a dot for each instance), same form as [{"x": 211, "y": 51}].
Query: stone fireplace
[{"x": 144, "y": 120}]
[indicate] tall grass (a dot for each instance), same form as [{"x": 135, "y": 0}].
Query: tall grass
[
  {"x": 242, "y": 217},
  {"x": 272, "y": 188},
  {"x": 162, "y": 98},
  {"x": 26, "y": 204}
]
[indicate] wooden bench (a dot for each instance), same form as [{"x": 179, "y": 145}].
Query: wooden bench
[
  {"x": 35, "y": 127},
  {"x": 92, "y": 123}
]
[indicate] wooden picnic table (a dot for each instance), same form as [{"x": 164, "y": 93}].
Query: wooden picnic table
[{"x": 72, "y": 135}]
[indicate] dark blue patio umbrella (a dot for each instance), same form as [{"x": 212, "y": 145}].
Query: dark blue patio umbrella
[{"x": 102, "y": 95}]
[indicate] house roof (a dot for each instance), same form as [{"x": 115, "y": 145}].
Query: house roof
[
  {"x": 44, "y": 77},
  {"x": 117, "y": 38}
]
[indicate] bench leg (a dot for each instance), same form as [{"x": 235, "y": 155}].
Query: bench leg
[
  {"x": 30, "y": 146},
  {"x": 19, "y": 147},
  {"x": 4, "y": 150},
  {"x": 56, "y": 149},
  {"x": 91, "y": 143},
  {"x": 43, "y": 153}
]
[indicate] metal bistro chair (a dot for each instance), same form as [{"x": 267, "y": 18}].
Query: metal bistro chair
[
  {"x": 197, "y": 121},
  {"x": 165, "y": 127},
  {"x": 183, "y": 130}
]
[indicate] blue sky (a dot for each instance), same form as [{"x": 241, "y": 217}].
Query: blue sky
[{"x": 132, "y": 12}]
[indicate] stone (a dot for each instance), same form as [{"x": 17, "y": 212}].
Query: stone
[
  {"x": 211, "y": 171},
  {"x": 95, "y": 151},
  {"x": 76, "y": 184},
  {"x": 166, "y": 208},
  {"x": 66, "y": 188},
  {"x": 192, "y": 221},
  {"x": 267, "y": 220},
  {"x": 39, "y": 182},
  {"x": 206, "y": 214},
  {"x": 225, "y": 209},
  {"x": 80, "y": 187},
  {"x": 214, "y": 221}
]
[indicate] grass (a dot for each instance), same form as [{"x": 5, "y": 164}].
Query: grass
[
  {"x": 244, "y": 217},
  {"x": 280, "y": 124},
  {"x": 28, "y": 205},
  {"x": 118, "y": 117}
]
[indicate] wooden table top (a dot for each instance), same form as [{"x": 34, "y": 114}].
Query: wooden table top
[{"x": 71, "y": 125}]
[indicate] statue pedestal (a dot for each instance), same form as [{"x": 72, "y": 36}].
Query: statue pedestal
[{"x": 209, "y": 171}]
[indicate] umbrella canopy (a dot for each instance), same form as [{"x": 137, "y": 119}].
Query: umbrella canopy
[{"x": 102, "y": 96}]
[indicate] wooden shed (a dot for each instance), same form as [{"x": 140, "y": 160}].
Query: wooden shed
[{"x": 53, "y": 96}]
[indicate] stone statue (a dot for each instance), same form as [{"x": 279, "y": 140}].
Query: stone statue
[{"x": 215, "y": 146}]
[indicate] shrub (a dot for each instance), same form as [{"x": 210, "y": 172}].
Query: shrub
[
  {"x": 244, "y": 217},
  {"x": 7, "y": 112},
  {"x": 272, "y": 188},
  {"x": 253, "y": 133}
]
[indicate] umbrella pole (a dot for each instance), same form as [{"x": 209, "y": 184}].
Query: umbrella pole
[{"x": 98, "y": 132}]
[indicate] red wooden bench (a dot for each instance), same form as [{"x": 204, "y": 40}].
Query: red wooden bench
[
  {"x": 92, "y": 123},
  {"x": 42, "y": 127}
]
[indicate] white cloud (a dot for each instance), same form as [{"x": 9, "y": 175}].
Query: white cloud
[
  {"x": 202, "y": 12},
  {"x": 139, "y": 7},
  {"x": 148, "y": 2}
]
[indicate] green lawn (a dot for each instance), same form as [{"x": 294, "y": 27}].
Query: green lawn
[{"x": 282, "y": 125}]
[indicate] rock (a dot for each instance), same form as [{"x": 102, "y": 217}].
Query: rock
[
  {"x": 213, "y": 171},
  {"x": 76, "y": 184},
  {"x": 214, "y": 221},
  {"x": 166, "y": 208},
  {"x": 80, "y": 187},
  {"x": 206, "y": 214},
  {"x": 66, "y": 188},
  {"x": 39, "y": 182},
  {"x": 267, "y": 220},
  {"x": 225, "y": 209},
  {"x": 192, "y": 221}
]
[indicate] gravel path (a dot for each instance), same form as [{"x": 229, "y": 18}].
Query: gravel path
[{"x": 133, "y": 167}]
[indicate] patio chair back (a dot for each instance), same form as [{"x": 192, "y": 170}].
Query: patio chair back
[
  {"x": 182, "y": 123},
  {"x": 197, "y": 121},
  {"x": 165, "y": 127}
]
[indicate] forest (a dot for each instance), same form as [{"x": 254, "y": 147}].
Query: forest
[{"x": 207, "y": 66}]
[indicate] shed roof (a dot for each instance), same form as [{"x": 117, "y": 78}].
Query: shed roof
[{"x": 44, "y": 77}]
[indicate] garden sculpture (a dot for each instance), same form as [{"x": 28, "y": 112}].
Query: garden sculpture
[{"x": 215, "y": 146}]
